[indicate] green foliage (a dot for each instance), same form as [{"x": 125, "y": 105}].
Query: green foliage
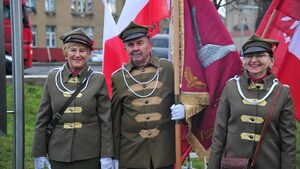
[{"x": 32, "y": 96}]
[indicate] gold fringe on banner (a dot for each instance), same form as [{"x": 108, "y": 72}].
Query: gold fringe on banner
[{"x": 194, "y": 102}]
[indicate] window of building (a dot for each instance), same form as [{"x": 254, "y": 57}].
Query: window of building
[
  {"x": 34, "y": 35},
  {"x": 82, "y": 7},
  {"x": 88, "y": 30},
  {"x": 50, "y": 36},
  {"x": 50, "y": 6},
  {"x": 31, "y": 3},
  {"x": 31, "y": 6},
  {"x": 112, "y": 4},
  {"x": 6, "y": 12}
]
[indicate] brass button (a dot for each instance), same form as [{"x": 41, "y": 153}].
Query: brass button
[
  {"x": 251, "y": 137},
  {"x": 252, "y": 118},
  {"x": 143, "y": 70},
  {"x": 144, "y": 85},
  {"x": 149, "y": 133},
  {"x": 258, "y": 87},
  {"x": 147, "y": 117},
  {"x": 146, "y": 101}
]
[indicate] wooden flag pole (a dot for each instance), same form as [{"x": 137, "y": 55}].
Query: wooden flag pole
[
  {"x": 269, "y": 23},
  {"x": 176, "y": 79}
]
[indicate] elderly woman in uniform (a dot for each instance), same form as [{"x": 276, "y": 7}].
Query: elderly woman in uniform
[
  {"x": 244, "y": 107},
  {"x": 83, "y": 134}
]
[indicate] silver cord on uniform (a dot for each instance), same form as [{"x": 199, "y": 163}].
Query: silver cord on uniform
[
  {"x": 141, "y": 83},
  {"x": 251, "y": 101},
  {"x": 58, "y": 76}
]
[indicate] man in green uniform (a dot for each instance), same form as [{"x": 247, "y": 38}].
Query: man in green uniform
[{"x": 142, "y": 105}]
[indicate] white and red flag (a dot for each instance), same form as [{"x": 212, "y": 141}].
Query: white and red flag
[
  {"x": 145, "y": 12},
  {"x": 281, "y": 22},
  {"x": 113, "y": 48}
]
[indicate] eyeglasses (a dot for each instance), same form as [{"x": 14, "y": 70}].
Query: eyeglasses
[{"x": 257, "y": 55}]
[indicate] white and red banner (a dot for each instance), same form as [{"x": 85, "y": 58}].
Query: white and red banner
[
  {"x": 281, "y": 22},
  {"x": 145, "y": 12},
  {"x": 113, "y": 48}
]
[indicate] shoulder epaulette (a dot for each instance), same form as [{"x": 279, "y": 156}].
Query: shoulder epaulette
[{"x": 116, "y": 71}]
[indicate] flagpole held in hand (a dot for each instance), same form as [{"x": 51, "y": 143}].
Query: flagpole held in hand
[{"x": 176, "y": 10}]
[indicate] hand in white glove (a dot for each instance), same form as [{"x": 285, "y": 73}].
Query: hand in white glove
[
  {"x": 178, "y": 112},
  {"x": 41, "y": 162},
  {"x": 106, "y": 163},
  {"x": 116, "y": 162}
]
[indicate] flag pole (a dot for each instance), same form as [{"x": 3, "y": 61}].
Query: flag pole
[
  {"x": 176, "y": 79},
  {"x": 269, "y": 23}
]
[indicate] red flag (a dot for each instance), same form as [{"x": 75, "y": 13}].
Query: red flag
[
  {"x": 114, "y": 52},
  {"x": 210, "y": 60},
  {"x": 281, "y": 22}
]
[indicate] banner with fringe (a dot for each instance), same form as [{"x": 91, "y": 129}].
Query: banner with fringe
[{"x": 208, "y": 61}]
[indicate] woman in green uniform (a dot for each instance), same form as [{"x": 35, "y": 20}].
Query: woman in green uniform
[
  {"x": 243, "y": 110},
  {"x": 83, "y": 135}
]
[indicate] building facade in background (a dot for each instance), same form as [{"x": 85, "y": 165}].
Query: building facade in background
[{"x": 52, "y": 18}]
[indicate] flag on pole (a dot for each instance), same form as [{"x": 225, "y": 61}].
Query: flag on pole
[
  {"x": 210, "y": 60},
  {"x": 176, "y": 36},
  {"x": 281, "y": 22},
  {"x": 114, "y": 52},
  {"x": 144, "y": 12}
]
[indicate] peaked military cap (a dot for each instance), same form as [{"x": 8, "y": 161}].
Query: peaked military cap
[
  {"x": 79, "y": 36},
  {"x": 133, "y": 31},
  {"x": 259, "y": 44}
]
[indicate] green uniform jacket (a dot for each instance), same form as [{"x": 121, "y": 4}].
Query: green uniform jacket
[
  {"x": 238, "y": 126},
  {"x": 85, "y": 130},
  {"x": 142, "y": 126}
]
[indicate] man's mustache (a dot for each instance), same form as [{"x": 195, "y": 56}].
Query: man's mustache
[{"x": 136, "y": 53}]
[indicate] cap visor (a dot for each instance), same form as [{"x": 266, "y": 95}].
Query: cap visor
[
  {"x": 255, "y": 49},
  {"x": 134, "y": 36}
]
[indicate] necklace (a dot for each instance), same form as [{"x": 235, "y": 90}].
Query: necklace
[
  {"x": 58, "y": 80},
  {"x": 251, "y": 101},
  {"x": 156, "y": 76}
]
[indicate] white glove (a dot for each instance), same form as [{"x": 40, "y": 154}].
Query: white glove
[
  {"x": 106, "y": 163},
  {"x": 41, "y": 162},
  {"x": 178, "y": 112},
  {"x": 116, "y": 162}
]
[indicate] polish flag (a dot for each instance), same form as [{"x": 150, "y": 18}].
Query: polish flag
[
  {"x": 289, "y": 72},
  {"x": 281, "y": 22},
  {"x": 144, "y": 12},
  {"x": 113, "y": 48}
]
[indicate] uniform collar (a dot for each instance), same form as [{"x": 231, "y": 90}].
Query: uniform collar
[
  {"x": 66, "y": 73},
  {"x": 267, "y": 81},
  {"x": 154, "y": 61}
]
